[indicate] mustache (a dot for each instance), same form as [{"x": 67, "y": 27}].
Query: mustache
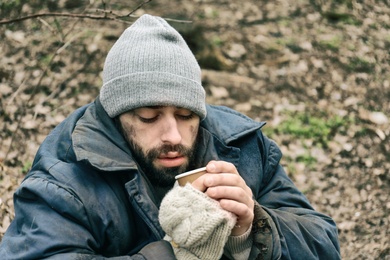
[{"x": 166, "y": 148}]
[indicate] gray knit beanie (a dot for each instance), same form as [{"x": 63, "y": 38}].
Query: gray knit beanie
[{"x": 151, "y": 65}]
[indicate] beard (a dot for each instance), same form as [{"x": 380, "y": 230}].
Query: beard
[{"x": 159, "y": 176}]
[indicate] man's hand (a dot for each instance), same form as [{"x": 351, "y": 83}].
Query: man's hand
[{"x": 223, "y": 183}]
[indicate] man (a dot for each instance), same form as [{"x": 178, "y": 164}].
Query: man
[{"x": 103, "y": 182}]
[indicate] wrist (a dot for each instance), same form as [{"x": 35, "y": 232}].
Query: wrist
[{"x": 239, "y": 230}]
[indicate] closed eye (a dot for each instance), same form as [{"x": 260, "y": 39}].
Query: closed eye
[
  {"x": 148, "y": 120},
  {"x": 186, "y": 117}
]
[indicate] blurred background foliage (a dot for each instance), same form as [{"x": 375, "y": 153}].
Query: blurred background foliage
[{"x": 317, "y": 71}]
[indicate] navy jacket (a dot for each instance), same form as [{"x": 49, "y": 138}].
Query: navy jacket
[{"x": 85, "y": 198}]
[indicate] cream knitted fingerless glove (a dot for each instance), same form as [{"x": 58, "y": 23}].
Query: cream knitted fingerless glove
[{"x": 195, "y": 224}]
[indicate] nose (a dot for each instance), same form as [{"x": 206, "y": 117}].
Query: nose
[{"x": 170, "y": 133}]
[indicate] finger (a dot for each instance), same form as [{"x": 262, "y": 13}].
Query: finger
[
  {"x": 243, "y": 212},
  {"x": 199, "y": 183},
  {"x": 224, "y": 179},
  {"x": 230, "y": 193},
  {"x": 244, "y": 215},
  {"x": 221, "y": 166}
]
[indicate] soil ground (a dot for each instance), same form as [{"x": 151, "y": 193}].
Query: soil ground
[{"x": 316, "y": 71}]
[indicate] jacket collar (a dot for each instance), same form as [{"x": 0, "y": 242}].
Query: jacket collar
[
  {"x": 97, "y": 140},
  {"x": 228, "y": 125}
]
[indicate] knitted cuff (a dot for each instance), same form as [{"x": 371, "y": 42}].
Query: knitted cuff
[
  {"x": 239, "y": 247},
  {"x": 196, "y": 225}
]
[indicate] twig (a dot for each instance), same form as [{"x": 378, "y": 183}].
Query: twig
[
  {"x": 24, "y": 106},
  {"x": 138, "y": 7},
  {"x": 51, "y": 29},
  {"x": 108, "y": 15},
  {"x": 177, "y": 21},
  {"x": 58, "y": 52},
  {"x": 18, "y": 90},
  {"x": 84, "y": 16}
]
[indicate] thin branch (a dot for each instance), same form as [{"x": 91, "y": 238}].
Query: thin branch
[
  {"x": 83, "y": 16},
  {"x": 107, "y": 15},
  {"x": 138, "y": 7},
  {"x": 33, "y": 92},
  {"x": 177, "y": 21},
  {"x": 33, "y": 16}
]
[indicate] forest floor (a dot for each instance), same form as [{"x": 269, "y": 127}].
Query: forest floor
[{"x": 316, "y": 71}]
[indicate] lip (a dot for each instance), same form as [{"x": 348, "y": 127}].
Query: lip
[{"x": 171, "y": 160}]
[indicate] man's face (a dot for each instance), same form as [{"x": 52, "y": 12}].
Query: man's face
[{"x": 162, "y": 139}]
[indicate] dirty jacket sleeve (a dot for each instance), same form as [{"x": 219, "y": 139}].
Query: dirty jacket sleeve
[
  {"x": 51, "y": 223},
  {"x": 285, "y": 225}
]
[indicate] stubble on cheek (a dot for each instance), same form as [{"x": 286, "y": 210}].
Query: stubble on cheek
[
  {"x": 194, "y": 133},
  {"x": 129, "y": 133}
]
